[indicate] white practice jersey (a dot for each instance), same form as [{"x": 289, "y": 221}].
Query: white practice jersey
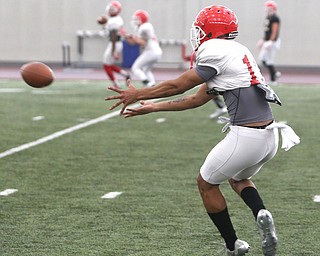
[
  {"x": 146, "y": 31},
  {"x": 114, "y": 23},
  {"x": 234, "y": 63}
]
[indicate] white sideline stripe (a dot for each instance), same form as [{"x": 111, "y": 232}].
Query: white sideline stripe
[
  {"x": 8, "y": 191},
  {"x": 111, "y": 195},
  {"x": 61, "y": 133}
]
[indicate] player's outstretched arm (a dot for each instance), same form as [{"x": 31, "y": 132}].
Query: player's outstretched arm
[
  {"x": 184, "y": 82},
  {"x": 187, "y": 102}
]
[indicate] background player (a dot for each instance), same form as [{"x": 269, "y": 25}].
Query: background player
[
  {"x": 269, "y": 44},
  {"x": 112, "y": 54},
  {"x": 226, "y": 67},
  {"x": 150, "y": 50}
]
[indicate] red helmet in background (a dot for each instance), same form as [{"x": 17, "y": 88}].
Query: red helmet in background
[
  {"x": 113, "y": 9},
  {"x": 213, "y": 22},
  {"x": 271, "y": 4},
  {"x": 139, "y": 17}
]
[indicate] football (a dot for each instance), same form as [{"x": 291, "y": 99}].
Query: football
[
  {"x": 37, "y": 74},
  {"x": 102, "y": 20}
]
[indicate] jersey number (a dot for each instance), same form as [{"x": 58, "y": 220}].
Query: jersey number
[{"x": 254, "y": 79}]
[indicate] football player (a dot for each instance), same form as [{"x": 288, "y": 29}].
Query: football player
[
  {"x": 270, "y": 43},
  {"x": 112, "y": 54},
  {"x": 150, "y": 50},
  {"x": 225, "y": 67}
]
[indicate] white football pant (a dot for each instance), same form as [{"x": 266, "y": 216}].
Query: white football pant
[
  {"x": 142, "y": 66},
  {"x": 240, "y": 155}
]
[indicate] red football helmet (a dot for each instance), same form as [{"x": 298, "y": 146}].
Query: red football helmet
[
  {"x": 139, "y": 17},
  {"x": 271, "y": 4},
  {"x": 213, "y": 22},
  {"x": 114, "y": 8}
]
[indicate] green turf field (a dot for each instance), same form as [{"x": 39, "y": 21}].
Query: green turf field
[{"x": 58, "y": 209}]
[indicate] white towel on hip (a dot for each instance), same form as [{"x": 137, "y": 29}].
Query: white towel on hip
[{"x": 288, "y": 136}]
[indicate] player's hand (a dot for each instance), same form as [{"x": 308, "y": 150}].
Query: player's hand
[
  {"x": 116, "y": 55},
  {"x": 260, "y": 43},
  {"x": 122, "y": 32},
  {"x": 267, "y": 44},
  {"x": 125, "y": 97},
  {"x": 130, "y": 39},
  {"x": 145, "y": 108}
]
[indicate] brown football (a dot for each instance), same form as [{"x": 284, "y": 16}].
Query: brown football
[
  {"x": 102, "y": 20},
  {"x": 37, "y": 74}
]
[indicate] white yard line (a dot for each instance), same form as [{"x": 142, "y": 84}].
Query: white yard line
[
  {"x": 8, "y": 192},
  {"x": 316, "y": 199},
  {"x": 61, "y": 133},
  {"x": 58, "y": 134},
  {"x": 111, "y": 195}
]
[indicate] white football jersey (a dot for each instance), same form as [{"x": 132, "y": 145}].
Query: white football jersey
[
  {"x": 114, "y": 23},
  {"x": 234, "y": 63},
  {"x": 146, "y": 32}
]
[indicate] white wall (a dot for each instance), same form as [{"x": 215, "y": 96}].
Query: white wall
[{"x": 36, "y": 29}]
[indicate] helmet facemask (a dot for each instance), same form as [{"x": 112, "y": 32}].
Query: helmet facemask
[
  {"x": 139, "y": 17},
  {"x": 135, "y": 22},
  {"x": 270, "y": 10},
  {"x": 113, "y": 9},
  {"x": 196, "y": 35}
]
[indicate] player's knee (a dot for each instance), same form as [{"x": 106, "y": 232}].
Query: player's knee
[
  {"x": 201, "y": 183},
  {"x": 239, "y": 185},
  {"x": 204, "y": 186}
]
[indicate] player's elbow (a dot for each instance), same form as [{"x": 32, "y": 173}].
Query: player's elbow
[{"x": 179, "y": 89}]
